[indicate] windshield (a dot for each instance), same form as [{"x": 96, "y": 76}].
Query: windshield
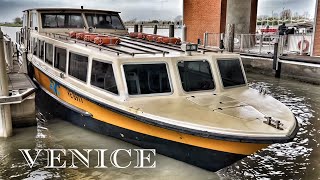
[
  {"x": 231, "y": 72},
  {"x": 196, "y": 75},
  {"x": 105, "y": 21},
  {"x": 147, "y": 78}
]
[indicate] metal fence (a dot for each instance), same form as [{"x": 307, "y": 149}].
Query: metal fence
[
  {"x": 264, "y": 43},
  {"x": 213, "y": 40}
]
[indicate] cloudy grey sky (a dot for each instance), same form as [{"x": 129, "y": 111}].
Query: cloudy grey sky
[{"x": 142, "y": 9}]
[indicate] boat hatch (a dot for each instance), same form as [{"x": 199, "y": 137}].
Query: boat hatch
[{"x": 228, "y": 106}]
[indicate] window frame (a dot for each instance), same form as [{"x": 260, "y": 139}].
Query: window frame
[
  {"x": 54, "y": 59},
  {"x": 65, "y": 13},
  {"x": 34, "y": 41},
  {"x": 68, "y": 67},
  {"x": 45, "y": 53},
  {"x": 39, "y": 49},
  {"x": 147, "y": 95},
  {"x": 201, "y": 91},
  {"x": 101, "y": 89},
  {"x": 242, "y": 70}
]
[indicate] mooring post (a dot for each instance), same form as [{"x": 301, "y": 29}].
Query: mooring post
[
  {"x": 136, "y": 28},
  {"x": 8, "y": 53},
  {"x": 141, "y": 28},
  {"x": 184, "y": 33},
  {"x": 171, "y": 30},
  {"x": 5, "y": 112},
  {"x": 24, "y": 67},
  {"x": 276, "y": 63},
  {"x": 155, "y": 29},
  {"x": 221, "y": 46},
  {"x": 230, "y": 37}
]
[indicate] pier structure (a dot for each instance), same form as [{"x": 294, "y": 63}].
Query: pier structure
[{"x": 17, "y": 91}]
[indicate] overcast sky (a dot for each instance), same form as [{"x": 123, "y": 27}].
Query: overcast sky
[{"x": 142, "y": 9}]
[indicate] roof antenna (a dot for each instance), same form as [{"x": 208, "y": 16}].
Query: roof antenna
[{"x": 81, "y": 7}]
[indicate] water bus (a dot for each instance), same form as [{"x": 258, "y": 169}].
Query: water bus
[{"x": 187, "y": 102}]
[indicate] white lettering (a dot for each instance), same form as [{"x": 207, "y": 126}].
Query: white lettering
[
  {"x": 141, "y": 158},
  {"x": 80, "y": 157},
  {"x": 27, "y": 157},
  {"x": 114, "y": 161}
]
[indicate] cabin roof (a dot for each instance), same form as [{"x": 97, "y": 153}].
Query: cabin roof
[
  {"x": 71, "y": 9},
  {"x": 128, "y": 46}
]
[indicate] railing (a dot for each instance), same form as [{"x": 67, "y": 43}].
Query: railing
[
  {"x": 264, "y": 43},
  {"x": 213, "y": 40}
]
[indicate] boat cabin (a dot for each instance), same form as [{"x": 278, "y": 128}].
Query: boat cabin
[{"x": 134, "y": 67}]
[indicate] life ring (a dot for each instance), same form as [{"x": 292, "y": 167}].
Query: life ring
[{"x": 304, "y": 42}]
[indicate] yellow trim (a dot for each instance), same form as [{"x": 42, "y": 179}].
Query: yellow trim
[{"x": 110, "y": 117}]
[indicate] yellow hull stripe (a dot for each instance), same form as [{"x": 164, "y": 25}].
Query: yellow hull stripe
[{"x": 110, "y": 117}]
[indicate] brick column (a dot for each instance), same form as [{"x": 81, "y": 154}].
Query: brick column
[
  {"x": 316, "y": 43},
  {"x": 204, "y": 15}
]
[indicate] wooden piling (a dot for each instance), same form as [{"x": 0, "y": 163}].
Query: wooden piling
[
  {"x": 5, "y": 112},
  {"x": 136, "y": 28},
  {"x": 171, "y": 30},
  {"x": 155, "y": 29}
]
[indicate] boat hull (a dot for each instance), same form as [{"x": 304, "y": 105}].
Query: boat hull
[{"x": 206, "y": 153}]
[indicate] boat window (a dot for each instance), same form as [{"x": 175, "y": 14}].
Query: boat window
[
  {"x": 196, "y": 75},
  {"x": 105, "y": 21},
  {"x": 231, "y": 72},
  {"x": 49, "y": 53},
  {"x": 40, "y": 51},
  {"x": 58, "y": 20},
  {"x": 60, "y": 59},
  {"x": 147, "y": 78},
  {"x": 102, "y": 76},
  {"x": 35, "y": 46},
  {"x": 78, "y": 66}
]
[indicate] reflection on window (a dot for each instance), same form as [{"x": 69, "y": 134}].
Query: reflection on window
[
  {"x": 49, "y": 53},
  {"x": 78, "y": 66},
  {"x": 231, "y": 72},
  {"x": 62, "y": 20},
  {"x": 106, "y": 21},
  {"x": 102, "y": 76},
  {"x": 196, "y": 75},
  {"x": 60, "y": 59},
  {"x": 147, "y": 79},
  {"x": 40, "y": 51}
]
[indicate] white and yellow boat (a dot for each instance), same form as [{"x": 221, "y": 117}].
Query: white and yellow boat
[{"x": 195, "y": 107}]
